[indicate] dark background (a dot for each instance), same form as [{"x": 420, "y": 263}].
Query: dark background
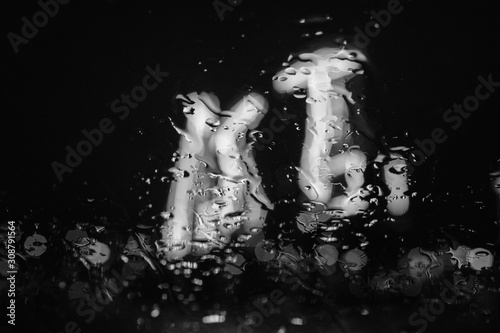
[{"x": 64, "y": 79}]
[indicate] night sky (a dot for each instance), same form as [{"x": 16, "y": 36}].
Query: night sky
[{"x": 65, "y": 78}]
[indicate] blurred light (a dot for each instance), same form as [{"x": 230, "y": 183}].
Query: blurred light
[
  {"x": 214, "y": 319},
  {"x": 155, "y": 313}
]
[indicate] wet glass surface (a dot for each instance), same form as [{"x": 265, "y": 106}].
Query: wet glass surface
[{"x": 250, "y": 166}]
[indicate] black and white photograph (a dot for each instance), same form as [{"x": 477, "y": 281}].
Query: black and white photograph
[{"x": 250, "y": 166}]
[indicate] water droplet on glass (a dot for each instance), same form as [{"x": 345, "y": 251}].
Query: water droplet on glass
[
  {"x": 212, "y": 122},
  {"x": 188, "y": 110},
  {"x": 305, "y": 70},
  {"x": 228, "y": 226},
  {"x": 299, "y": 95}
]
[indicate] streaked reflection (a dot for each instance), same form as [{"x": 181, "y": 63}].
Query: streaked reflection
[{"x": 217, "y": 192}]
